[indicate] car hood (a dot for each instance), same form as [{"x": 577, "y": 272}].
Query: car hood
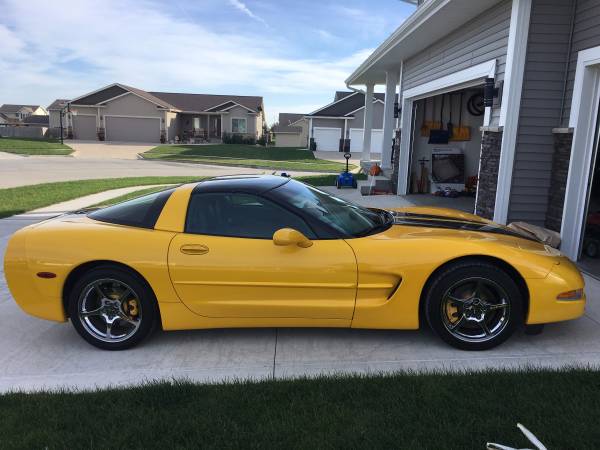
[
  {"x": 443, "y": 222},
  {"x": 449, "y": 219}
]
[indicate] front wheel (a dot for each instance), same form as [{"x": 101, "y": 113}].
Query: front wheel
[
  {"x": 112, "y": 308},
  {"x": 474, "y": 305}
]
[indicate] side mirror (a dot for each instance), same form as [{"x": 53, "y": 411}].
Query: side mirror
[{"x": 289, "y": 236}]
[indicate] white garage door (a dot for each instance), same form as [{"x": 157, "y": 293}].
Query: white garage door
[
  {"x": 132, "y": 129},
  {"x": 84, "y": 127},
  {"x": 327, "y": 139},
  {"x": 356, "y": 140}
]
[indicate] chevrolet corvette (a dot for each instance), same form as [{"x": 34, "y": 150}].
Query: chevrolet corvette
[{"x": 267, "y": 251}]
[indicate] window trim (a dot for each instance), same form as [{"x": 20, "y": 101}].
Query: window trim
[{"x": 259, "y": 196}]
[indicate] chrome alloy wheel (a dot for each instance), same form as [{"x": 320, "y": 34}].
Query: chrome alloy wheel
[
  {"x": 475, "y": 309},
  {"x": 109, "y": 310}
]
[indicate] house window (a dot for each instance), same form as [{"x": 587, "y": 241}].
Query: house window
[{"x": 238, "y": 125}]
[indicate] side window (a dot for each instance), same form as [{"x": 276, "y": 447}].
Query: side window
[
  {"x": 240, "y": 215},
  {"x": 142, "y": 212}
]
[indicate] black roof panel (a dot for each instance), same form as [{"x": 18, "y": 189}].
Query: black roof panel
[{"x": 249, "y": 184}]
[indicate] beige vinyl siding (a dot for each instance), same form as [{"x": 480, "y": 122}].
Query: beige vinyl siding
[
  {"x": 132, "y": 105},
  {"x": 239, "y": 112},
  {"x": 482, "y": 39},
  {"x": 54, "y": 119},
  {"x": 171, "y": 125},
  {"x": 541, "y": 100},
  {"x": 289, "y": 140}
]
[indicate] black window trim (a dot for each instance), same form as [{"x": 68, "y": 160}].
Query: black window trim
[{"x": 286, "y": 208}]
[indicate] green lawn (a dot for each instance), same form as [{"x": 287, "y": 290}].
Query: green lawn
[
  {"x": 26, "y": 198},
  {"x": 279, "y": 158},
  {"x": 24, "y": 146},
  {"x": 405, "y": 411}
]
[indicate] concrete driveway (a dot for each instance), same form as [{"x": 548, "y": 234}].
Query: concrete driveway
[
  {"x": 37, "y": 354},
  {"x": 108, "y": 150}
]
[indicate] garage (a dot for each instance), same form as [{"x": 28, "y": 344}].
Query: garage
[
  {"x": 327, "y": 139},
  {"x": 84, "y": 127},
  {"x": 356, "y": 140},
  {"x": 132, "y": 129}
]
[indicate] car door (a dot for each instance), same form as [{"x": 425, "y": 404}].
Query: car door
[{"x": 226, "y": 264}]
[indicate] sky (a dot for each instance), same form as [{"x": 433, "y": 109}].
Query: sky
[{"x": 295, "y": 54}]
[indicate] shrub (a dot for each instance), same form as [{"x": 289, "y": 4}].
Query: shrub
[{"x": 237, "y": 138}]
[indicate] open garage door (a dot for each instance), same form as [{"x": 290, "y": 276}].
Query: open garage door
[
  {"x": 132, "y": 129},
  {"x": 356, "y": 140},
  {"x": 327, "y": 139},
  {"x": 84, "y": 127}
]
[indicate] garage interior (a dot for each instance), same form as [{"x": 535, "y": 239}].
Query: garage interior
[
  {"x": 446, "y": 147},
  {"x": 589, "y": 252}
]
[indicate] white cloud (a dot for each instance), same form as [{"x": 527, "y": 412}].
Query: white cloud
[
  {"x": 243, "y": 8},
  {"x": 63, "y": 49}
]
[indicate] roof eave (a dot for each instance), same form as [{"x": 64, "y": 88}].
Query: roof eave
[{"x": 443, "y": 16}]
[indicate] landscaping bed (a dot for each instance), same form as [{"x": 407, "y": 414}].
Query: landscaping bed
[
  {"x": 408, "y": 411},
  {"x": 21, "y": 199},
  {"x": 278, "y": 158},
  {"x": 26, "y": 146}
]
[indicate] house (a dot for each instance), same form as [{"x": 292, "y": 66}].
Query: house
[
  {"x": 27, "y": 121},
  {"x": 56, "y": 108},
  {"x": 123, "y": 113},
  {"x": 528, "y": 73},
  {"x": 20, "y": 112},
  {"x": 6, "y": 121},
  {"x": 342, "y": 120},
  {"x": 291, "y": 130}
]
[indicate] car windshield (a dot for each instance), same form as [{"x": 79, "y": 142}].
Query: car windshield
[{"x": 348, "y": 218}]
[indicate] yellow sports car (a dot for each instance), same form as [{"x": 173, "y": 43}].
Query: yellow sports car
[{"x": 267, "y": 251}]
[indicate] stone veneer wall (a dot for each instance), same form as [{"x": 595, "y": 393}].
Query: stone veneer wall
[
  {"x": 491, "y": 143},
  {"x": 396, "y": 160},
  {"x": 563, "y": 140}
]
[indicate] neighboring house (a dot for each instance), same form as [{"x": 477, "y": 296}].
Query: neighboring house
[
  {"x": 344, "y": 119},
  {"x": 20, "y": 112},
  {"x": 291, "y": 131},
  {"x": 36, "y": 121},
  {"x": 536, "y": 159},
  {"x": 6, "y": 121},
  {"x": 122, "y": 113}
]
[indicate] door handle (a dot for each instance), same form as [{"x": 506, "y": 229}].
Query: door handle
[{"x": 195, "y": 249}]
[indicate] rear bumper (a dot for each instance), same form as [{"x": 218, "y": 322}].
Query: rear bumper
[
  {"x": 543, "y": 305},
  {"x": 31, "y": 294}
]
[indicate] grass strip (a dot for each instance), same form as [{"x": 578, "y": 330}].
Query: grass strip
[
  {"x": 21, "y": 199},
  {"x": 407, "y": 411},
  {"x": 278, "y": 158},
  {"x": 27, "y": 146}
]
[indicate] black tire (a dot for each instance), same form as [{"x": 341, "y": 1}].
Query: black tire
[
  {"x": 354, "y": 184},
  {"x": 145, "y": 306},
  {"x": 591, "y": 249},
  {"x": 482, "y": 319},
  {"x": 337, "y": 184}
]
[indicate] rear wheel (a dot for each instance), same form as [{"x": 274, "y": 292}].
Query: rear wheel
[
  {"x": 474, "y": 305},
  {"x": 112, "y": 308}
]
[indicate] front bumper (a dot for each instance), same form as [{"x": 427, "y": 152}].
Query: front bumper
[{"x": 543, "y": 305}]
